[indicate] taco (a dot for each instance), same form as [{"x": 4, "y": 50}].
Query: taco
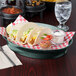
[
  {"x": 12, "y": 30},
  {"x": 37, "y": 35},
  {"x": 25, "y": 31}
]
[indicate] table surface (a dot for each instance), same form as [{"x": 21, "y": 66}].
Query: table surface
[{"x": 64, "y": 66}]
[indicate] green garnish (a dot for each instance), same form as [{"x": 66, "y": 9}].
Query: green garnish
[
  {"x": 14, "y": 32},
  {"x": 42, "y": 37},
  {"x": 28, "y": 31},
  {"x": 45, "y": 34},
  {"x": 11, "y": 35}
]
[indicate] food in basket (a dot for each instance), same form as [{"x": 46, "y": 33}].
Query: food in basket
[
  {"x": 25, "y": 31},
  {"x": 20, "y": 31},
  {"x": 12, "y": 31},
  {"x": 44, "y": 35},
  {"x": 28, "y": 32},
  {"x": 37, "y": 34},
  {"x": 33, "y": 34}
]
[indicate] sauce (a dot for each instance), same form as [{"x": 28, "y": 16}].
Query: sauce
[
  {"x": 45, "y": 44},
  {"x": 12, "y": 10}
]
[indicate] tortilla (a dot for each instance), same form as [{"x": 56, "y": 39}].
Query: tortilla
[
  {"x": 12, "y": 30},
  {"x": 36, "y": 34},
  {"x": 28, "y": 32},
  {"x": 25, "y": 31}
]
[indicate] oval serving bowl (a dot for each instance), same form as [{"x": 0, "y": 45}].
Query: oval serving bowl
[{"x": 39, "y": 54}]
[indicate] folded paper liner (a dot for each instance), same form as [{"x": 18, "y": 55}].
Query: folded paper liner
[{"x": 20, "y": 19}]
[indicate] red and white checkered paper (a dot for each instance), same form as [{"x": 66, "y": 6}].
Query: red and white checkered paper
[{"x": 68, "y": 37}]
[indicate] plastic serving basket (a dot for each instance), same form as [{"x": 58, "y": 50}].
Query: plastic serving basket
[{"x": 39, "y": 54}]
